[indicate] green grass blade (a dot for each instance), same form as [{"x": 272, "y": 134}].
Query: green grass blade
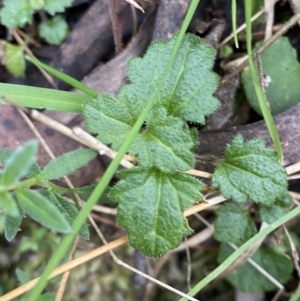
[
  {"x": 100, "y": 188},
  {"x": 259, "y": 93},
  {"x": 236, "y": 254},
  {"x": 62, "y": 76},
  {"x": 233, "y": 18},
  {"x": 41, "y": 98},
  {"x": 296, "y": 295}
]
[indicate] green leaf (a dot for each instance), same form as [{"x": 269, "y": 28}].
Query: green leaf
[
  {"x": 151, "y": 205},
  {"x": 188, "y": 90},
  {"x": 248, "y": 279},
  {"x": 68, "y": 163},
  {"x": 15, "y": 13},
  {"x": 281, "y": 75},
  {"x": 22, "y": 276},
  {"x": 33, "y": 170},
  {"x": 281, "y": 207},
  {"x": 8, "y": 204},
  {"x": 15, "y": 61},
  {"x": 12, "y": 226},
  {"x": 233, "y": 224},
  {"x": 166, "y": 143},
  {"x": 19, "y": 163},
  {"x": 250, "y": 171},
  {"x": 70, "y": 212},
  {"x": 85, "y": 191},
  {"x": 37, "y": 4},
  {"x": 54, "y": 31},
  {"x": 56, "y": 6},
  {"x": 42, "y": 210}
]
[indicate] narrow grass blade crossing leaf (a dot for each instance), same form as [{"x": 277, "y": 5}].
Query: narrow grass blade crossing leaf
[
  {"x": 152, "y": 208},
  {"x": 68, "y": 163},
  {"x": 277, "y": 210},
  {"x": 248, "y": 279},
  {"x": 19, "y": 162},
  {"x": 250, "y": 171},
  {"x": 70, "y": 212},
  {"x": 42, "y": 210}
]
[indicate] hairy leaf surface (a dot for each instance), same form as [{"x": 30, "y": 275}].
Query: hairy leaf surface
[
  {"x": 42, "y": 210},
  {"x": 151, "y": 205},
  {"x": 20, "y": 161},
  {"x": 70, "y": 212},
  {"x": 248, "y": 279},
  {"x": 188, "y": 90},
  {"x": 8, "y": 204},
  {"x": 33, "y": 170},
  {"x": 233, "y": 224},
  {"x": 11, "y": 226},
  {"x": 68, "y": 163},
  {"x": 250, "y": 171}
]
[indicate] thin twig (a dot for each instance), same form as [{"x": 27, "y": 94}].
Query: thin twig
[
  {"x": 115, "y": 26},
  {"x": 295, "y": 254},
  {"x": 29, "y": 52}
]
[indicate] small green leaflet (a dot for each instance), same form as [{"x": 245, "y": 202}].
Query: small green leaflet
[
  {"x": 54, "y": 31},
  {"x": 14, "y": 170},
  {"x": 67, "y": 163},
  {"x": 151, "y": 205},
  {"x": 249, "y": 171},
  {"x": 248, "y": 279},
  {"x": 31, "y": 172},
  {"x": 281, "y": 207},
  {"x": 56, "y": 6},
  {"x": 15, "y": 62},
  {"x": 8, "y": 204},
  {"x": 22, "y": 276},
  {"x": 42, "y": 210},
  {"x": 16, "y": 13},
  {"x": 233, "y": 224},
  {"x": 11, "y": 226}
]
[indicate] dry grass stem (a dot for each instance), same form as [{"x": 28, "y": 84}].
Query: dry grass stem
[
  {"x": 29, "y": 52},
  {"x": 64, "y": 280},
  {"x": 133, "y": 3}
]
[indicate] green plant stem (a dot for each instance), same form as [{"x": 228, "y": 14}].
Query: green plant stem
[
  {"x": 259, "y": 93},
  {"x": 296, "y": 295},
  {"x": 235, "y": 255},
  {"x": 62, "y": 76},
  {"x": 233, "y": 17},
  {"x": 96, "y": 194}
]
